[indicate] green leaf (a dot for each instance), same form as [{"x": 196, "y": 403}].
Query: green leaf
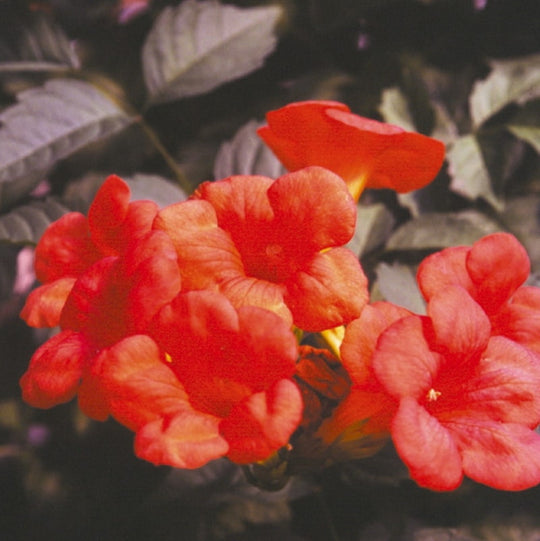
[
  {"x": 433, "y": 231},
  {"x": 525, "y": 124},
  {"x": 397, "y": 284},
  {"x": 155, "y": 188},
  {"x": 469, "y": 174},
  {"x": 394, "y": 109},
  {"x": 246, "y": 154},
  {"x": 373, "y": 226},
  {"x": 198, "y": 46},
  {"x": 41, "y": 46},
  {"x": 529, "y": 134},
  {"x": 48, "y": 124},
  {"x": 26, "y": 224},
  {"x": 510, "y": 81}
]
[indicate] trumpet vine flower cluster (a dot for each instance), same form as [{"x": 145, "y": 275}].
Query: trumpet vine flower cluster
[{"x": 186, "y": 323}]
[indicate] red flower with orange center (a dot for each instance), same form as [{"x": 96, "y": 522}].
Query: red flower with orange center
[
  {"x": 468, "y": 401},
  {"x": 234, "y": 368},
  {"x": 288, "y": 236},
  {"x": 364, "y": 152},
  {"x": 104, "y": 277},
  {"x": 73, "y": 243}
]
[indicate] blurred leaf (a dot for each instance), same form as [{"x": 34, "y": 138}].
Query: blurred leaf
[
  {"x": 397, "y": 284},
  {"x": 198, "y": 46},
  {"x": 25, "y": 224},
  {"x": 525, "y": 124},
  {"x": 470, "y": 176},
  {"x": 48, "y": 124},
  {"x": 394, "y": 109},
  {"x": 510, "y": 81},
  {"x": 433, "y": 231},
  {"x": 518, "y": 527},
  {"x": 246, "y": 154},
  {"x": 373, "y": 226},
  {"x": 155, "y": 188},
  {"x": 522, "y": 217},
  {"x": 40, "y": 46},
  {"x": 529, "y": 134}
]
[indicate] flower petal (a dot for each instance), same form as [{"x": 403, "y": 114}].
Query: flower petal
[
  {"x": 399, "y": 160},
  {"x": 442, "y": 269},
  {"x": 248, "y": 291},
  {"x": 44, "y": 304},
  {"x": 505, "y": 387},
  {"x": 115, "y": 222},
  {"x": 304, "y": 220},
  {"x": 520, "y": 319},
  {"x": 361, "y": 337},
  {"x": 206, "y": 253},
  {"x": 403, "y": 361},
  {"x": 188, "y": 440},
  {"x": 372, "y": 411},
  {"x": 263, "y": 423},
  {"x": 426, "y": 447},
  {"x": 460, "y": 326},
  {"x": 140, "y": 387},
  {"x": 65, "y": 249},
  {"x": 502, "y": 456},
  {"x": 55, "y": 371},
  {"x": 498, "y": 264},
  {"x": 330, "y": 290}
]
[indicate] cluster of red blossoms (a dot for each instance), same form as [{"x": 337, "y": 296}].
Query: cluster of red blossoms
[{"x": 185, "y": 323}]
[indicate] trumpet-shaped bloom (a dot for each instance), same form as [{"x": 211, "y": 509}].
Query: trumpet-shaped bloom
[
  {"x": 467, "y": 401},
  {"x": 493, "y": 271},
  {"x": 364, "y": 152},
  {"x": 235, "y": 367},
  {"x": 73, "y": 243},
  {"x": 361, "y": 421},
  {"x": 287, "y": 251},
  {"x": 113, "y": 299}
]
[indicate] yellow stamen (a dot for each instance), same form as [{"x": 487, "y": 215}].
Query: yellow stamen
[
  {"x": 433, "y": 395},
  {"x": 334, "y": 337}
]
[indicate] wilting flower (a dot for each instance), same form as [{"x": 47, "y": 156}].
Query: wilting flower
[
  {"x": 493, "y": 271},
  {"x": 364, "y": 152},
  {"x": 234, "y": 367},
  {"x": 468, "y": 401},
  {"x": 73, "y": 243},
  {"x": 275, "y": 244},
  {"x": 113, "y": 299}
]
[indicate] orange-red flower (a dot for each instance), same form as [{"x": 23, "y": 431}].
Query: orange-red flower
[
  {"x": 493, "y": 271},
  {"x": 364, "y": 152},
  {"x": 115, "y": 298},
  {"x": 73, "y": 243},
  {"x": 468, "y": 401},
  {"x": 287, "y": 251},
  {"x": 360, "y": 424},
  {"x": 235, "y": 368}
]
